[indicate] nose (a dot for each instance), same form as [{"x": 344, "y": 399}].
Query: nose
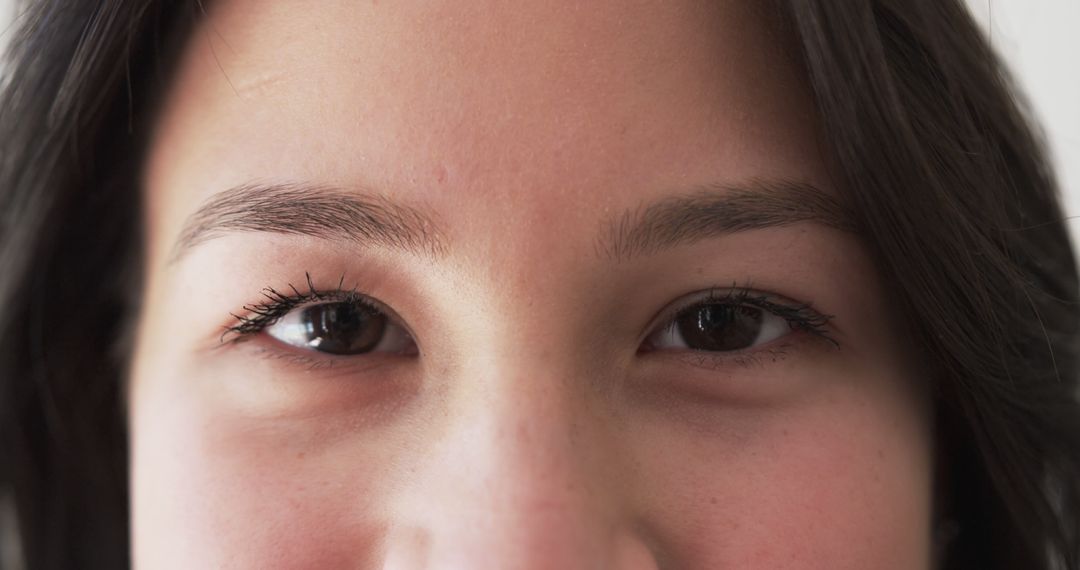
[{"x": 523, "y": 476}]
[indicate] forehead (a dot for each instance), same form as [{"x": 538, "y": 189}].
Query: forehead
[{"x": 521, "y": 112}]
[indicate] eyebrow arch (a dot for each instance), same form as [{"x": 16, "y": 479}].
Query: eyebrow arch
[
  {"x": 311, "y": 210},
  {"x": 719, "y": 209}
]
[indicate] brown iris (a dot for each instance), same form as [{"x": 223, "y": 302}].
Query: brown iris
[
  {"x": 720, "y": 327},
  {"x": 343, "y": 328}
]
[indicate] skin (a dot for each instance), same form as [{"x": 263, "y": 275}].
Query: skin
[{"x": 530, "y": 430}]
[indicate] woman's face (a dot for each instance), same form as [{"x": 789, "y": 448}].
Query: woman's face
[{"x": 554, "y": 285}]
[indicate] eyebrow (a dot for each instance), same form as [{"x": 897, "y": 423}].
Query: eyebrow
[
  {"x": 332, "y": 213},
  {"x": 716, "y": 210},
  {"x": 311, "y": 210}
]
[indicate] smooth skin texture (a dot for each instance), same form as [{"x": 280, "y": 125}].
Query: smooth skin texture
[{"x": 529, "y": 429}]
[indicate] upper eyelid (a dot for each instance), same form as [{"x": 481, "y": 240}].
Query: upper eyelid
[
  {"x": 275, "y": 301},
  {"x": 735, "y": 293},
  {"x": 741, "y": 294},
  {"x": 688, "y": 301}
]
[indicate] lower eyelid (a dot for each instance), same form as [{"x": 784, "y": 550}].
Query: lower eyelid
[
  {"x": 312, "y": 361},
  {"x": 780, "y": 349},
  {"x": 720, "y": 360},
  {"x": 768, "y": 353}
]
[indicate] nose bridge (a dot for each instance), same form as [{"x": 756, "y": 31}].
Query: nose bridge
[
  {"x": 515, "y": 465},
  {"x": 514, "y": 478},
  {"x": 527, "y": 432}
]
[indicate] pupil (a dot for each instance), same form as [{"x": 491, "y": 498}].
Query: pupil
[
  {"x": 343, "y": 328},
  {"x": 720, "y": 327}
]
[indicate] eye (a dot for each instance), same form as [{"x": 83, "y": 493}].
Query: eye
[
  {"x": 341, "y": 327},
  {"x": 719, "y": 328},
  {"x": 732, "y": 321}
]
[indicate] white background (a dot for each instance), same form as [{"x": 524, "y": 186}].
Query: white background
[{"x": 1040, "y": 40}]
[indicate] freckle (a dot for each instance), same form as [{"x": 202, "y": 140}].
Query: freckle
[
  {"x": 712, "y": 500},
  {"x": 881, "y": 454}
]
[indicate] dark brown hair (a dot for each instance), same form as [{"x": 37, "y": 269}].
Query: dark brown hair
[{"x": 947, "y": 180}]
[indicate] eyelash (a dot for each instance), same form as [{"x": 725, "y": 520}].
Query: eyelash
[
  {"x": 277, "y": 304},
  {"x": 799, "y": 316}
]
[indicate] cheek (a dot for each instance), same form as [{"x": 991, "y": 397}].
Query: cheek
[
  {"x": 215, "y": 493},
  {"x": 837, "y": 480},
  {"x": 841, "y": 485}
]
